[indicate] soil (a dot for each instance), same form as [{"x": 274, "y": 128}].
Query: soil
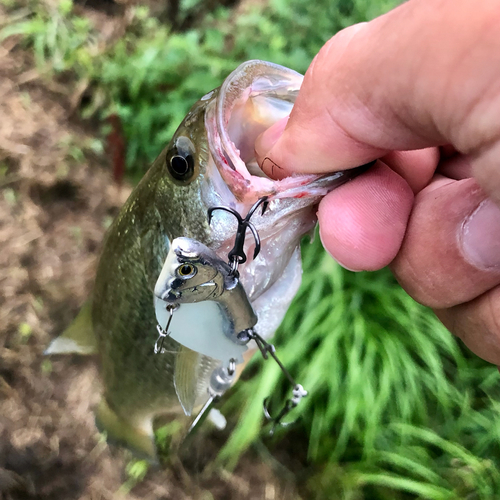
[{"x": 55, "y": 206}]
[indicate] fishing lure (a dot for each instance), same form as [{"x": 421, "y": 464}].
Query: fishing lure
[{"x": 194, "y": 273}]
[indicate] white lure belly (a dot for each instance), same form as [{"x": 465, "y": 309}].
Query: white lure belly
[{"x": 200, "y": 327}]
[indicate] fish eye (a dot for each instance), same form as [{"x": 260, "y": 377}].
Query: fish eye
[
  {"x": 186, "y": 271},
  {"x": 180, "y": 165},
  {"x": 180, "y": 160}
]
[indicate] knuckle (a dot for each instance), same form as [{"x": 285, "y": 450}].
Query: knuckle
[{"x": 477, "y": 324}]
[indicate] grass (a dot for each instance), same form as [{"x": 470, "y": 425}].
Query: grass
[
  {"x": 393, "y": 399},
  {"x": 397, "y": 409}
]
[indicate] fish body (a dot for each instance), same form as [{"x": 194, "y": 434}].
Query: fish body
[{"x": 209, "y": 162}]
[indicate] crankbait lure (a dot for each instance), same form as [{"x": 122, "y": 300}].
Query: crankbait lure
[{"x": 193, "y": 273}]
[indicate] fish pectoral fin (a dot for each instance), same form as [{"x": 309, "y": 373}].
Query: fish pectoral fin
[
  {"x": 139, "y": 439},
  {"x": 187, "y": 365},
  {"x": 79, "y": 337}
]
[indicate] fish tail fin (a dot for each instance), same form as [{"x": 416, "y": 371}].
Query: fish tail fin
[
  {"x": 138, "y": 438},
  {"x": 79, "y": 337}
]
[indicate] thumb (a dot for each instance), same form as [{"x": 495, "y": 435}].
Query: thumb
[
  {"x": 296, "y": 143},
  {"x": 425, "y": 74}
]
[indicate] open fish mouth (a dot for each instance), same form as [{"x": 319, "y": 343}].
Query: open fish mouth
[{"x": 255, "y": 96}]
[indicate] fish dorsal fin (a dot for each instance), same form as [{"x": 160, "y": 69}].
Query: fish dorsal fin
[
  {"x": 187, "y": 367},
  {"x": 79, "y": 337}
]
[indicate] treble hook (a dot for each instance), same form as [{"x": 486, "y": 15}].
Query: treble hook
[
  {"x": 298, "y": 391},
  {"x": 163, "y": 334},
  {"x": 237, "y": 254}
]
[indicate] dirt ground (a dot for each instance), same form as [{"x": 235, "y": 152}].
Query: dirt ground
[{"x": 55, "y": 205}]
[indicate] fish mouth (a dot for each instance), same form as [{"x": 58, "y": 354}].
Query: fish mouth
[{"x": 252, "y": 98}]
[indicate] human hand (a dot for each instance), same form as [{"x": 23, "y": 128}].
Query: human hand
[{"x": 425, "y": 75}]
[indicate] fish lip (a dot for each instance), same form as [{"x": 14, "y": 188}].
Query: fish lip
[{"x": 248, "y": 188}]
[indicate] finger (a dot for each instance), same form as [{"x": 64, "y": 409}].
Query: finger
[
  {"x": 357, "y": 103},
  {"x": 416, "y": 167},
  {"x": 324, "y": 145},
  {"x": 456, "y": 167},
  {"x": 451, "y": 250},
  {"x": 477, "y": 324},
  {"x": 363, "y": 222}
]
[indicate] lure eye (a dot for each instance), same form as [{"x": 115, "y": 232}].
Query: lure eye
[
  {"x": 180, "y": 160},
  {"x": 186, "y": 271}
]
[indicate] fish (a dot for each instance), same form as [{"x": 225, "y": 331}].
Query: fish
[{"x": 209, "y": 162}]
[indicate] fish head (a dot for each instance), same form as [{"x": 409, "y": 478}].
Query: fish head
[
  {"x": 191, "y": 273},
  {"x": 255, "y": 96},
  {"x": 211, "y": 162}
]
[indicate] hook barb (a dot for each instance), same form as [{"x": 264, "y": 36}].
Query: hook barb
[{"x": 211, "y": 211}]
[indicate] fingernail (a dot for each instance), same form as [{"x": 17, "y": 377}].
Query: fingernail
[{"x": 481, "y": 236}]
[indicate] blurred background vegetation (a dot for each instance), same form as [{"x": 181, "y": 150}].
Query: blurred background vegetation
[{"x": 397, "y": 409}]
